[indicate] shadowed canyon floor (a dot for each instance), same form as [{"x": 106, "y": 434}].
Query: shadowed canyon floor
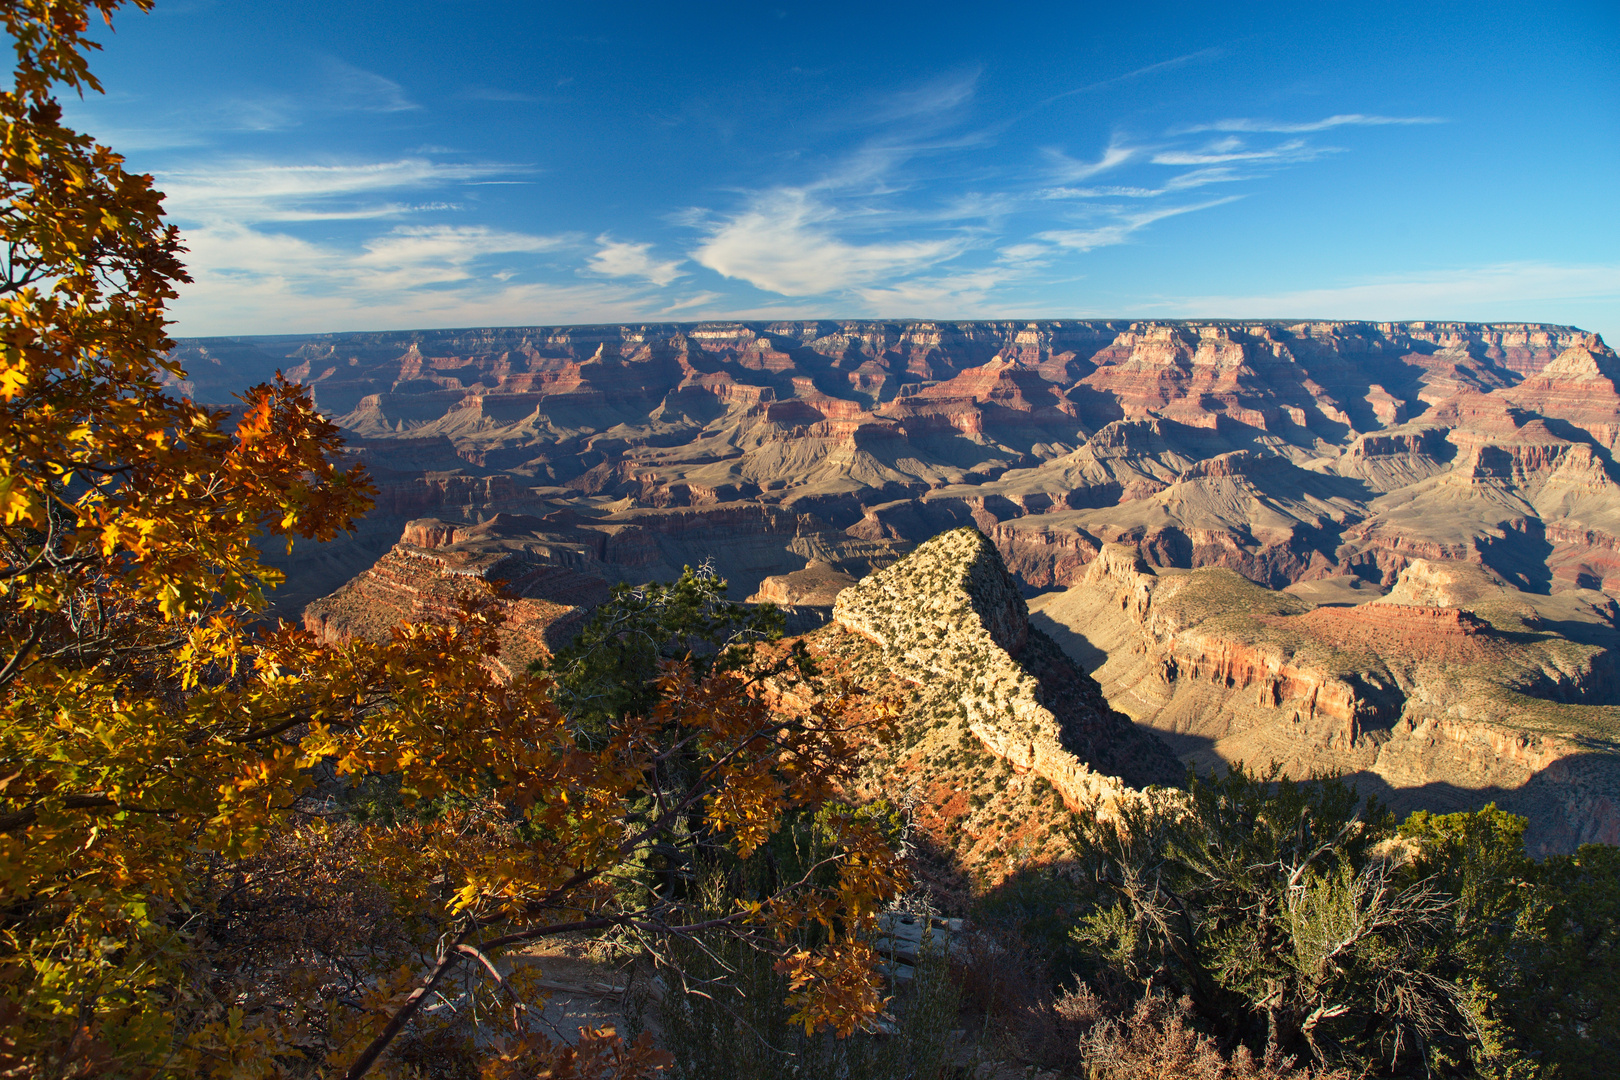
[{"x": 1258, "y": 486}]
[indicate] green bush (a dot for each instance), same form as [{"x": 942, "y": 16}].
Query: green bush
[{"x": 1295, "y": 919}]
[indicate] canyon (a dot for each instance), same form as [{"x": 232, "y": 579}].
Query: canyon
[{"x": 1247, "y": 530}]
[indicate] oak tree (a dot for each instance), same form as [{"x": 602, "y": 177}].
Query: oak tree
[{"x": 160, "y": 752}]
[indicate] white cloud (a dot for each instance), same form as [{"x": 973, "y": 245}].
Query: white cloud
[
  {"x": 132, "y": 125},
  {"x": 783, "y": 241},
  {"x": 961, "y": 295},
  {"x": 1340, "y": 120},
  {"x": 703, "y": 299},
  {"x": 404, "y": 260},
  {"x": 365, "y": 91},
  {"x": 249, "y": 190},
  {"x": 455, "y": 244},
  {"x": 1162, "y": 65},
  {"x": 277, "y": 305},
  {"x": 1216, "y": 174},
  {"x": 621, "y": 259},
  {"x": 939, "y": 96},
  {"x": 253, "y": 281},
  {"x": 1023, "y": 254},
  {"x": 1230, "y": 149},
  {"x": 1070, "y": 170},
  {"x": 253, "y": 276},
  {"x": 1120, "y": 229}
]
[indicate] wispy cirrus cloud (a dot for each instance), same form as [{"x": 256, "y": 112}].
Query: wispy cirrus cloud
[
  {"x": 690, "y": 303},
  {"x": 615, "y": 258},
  {"x": 356, "y": 88},
  {"x": 942, "y": 95},
  {"x": 1305, "y": 127},
  {"x": 860, "y": 232},
  {"x": 411, "y": 275},
  {"x": 130, "y": 123},
  {"x": 888, "y": 223},
  {"x": 1232, "y": 149},
  {"x": 246, "y": 222},
  {"x": 1068, "y": 170},
  {"x": 255, "y": 190},
  {"x": 786, "y": 241},
  {"x": 1229, "y": 159},
  {"x": 403, "y": 260},
  {"x": 1194, "y": 178},
  {"x": 963, "y": 294},
  {"x": 866, "y": 220},
  {"x": 412, "y": 257},
  {"x": 1122, "y": 224},
  {"x": 1138, "y": 73}
]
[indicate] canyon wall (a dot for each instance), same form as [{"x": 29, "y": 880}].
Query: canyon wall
[
  {"x": 1286, "y": 452},
  {"x": 1000, "y": 736}
]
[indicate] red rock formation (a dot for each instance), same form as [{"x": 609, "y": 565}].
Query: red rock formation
[
  {"x": 1579, "y": 386},
  {"x": 1044, "y": 557},
  {"x": 1443, "y": 635},
  {"x": 543, "y": 604}
]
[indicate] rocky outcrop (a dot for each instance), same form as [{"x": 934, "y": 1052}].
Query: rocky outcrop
[
  {"x": 950, "y": 611},
  {"x": 817, "y": 585},
  {"x": 430, "y": 572},
  {"x": 804, "y": 597},
  {"x": 999, "y": 737}
]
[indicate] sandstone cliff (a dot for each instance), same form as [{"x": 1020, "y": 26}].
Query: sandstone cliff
[{"x": 425, "y": 576}]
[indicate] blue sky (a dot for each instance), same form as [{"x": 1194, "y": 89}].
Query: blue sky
[{"x": 358, "y": 164}]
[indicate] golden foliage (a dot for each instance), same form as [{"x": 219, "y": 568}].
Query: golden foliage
[{"x": 167, "y": 772}]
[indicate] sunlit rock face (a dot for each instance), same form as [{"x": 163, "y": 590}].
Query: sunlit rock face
[{"x": 1002, "y": 737}]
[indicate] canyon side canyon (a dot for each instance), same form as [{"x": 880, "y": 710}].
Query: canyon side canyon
[{"x": 1382, "y": 549}]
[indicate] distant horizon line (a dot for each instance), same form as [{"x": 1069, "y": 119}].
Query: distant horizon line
[{"x": 874, "y": 321}]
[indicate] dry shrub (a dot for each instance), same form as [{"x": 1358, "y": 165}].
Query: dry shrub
[
  {"x": 1005, "y": 991},
  {"x": 1156, "y": 1040},
  {"x": 306, "y": 908},
  {"x": 999, "y": 975}
]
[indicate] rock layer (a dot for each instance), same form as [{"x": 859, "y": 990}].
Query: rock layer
[
  {"x": 425, "y": 578},
  {"x": 1334, "y": 460}
]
